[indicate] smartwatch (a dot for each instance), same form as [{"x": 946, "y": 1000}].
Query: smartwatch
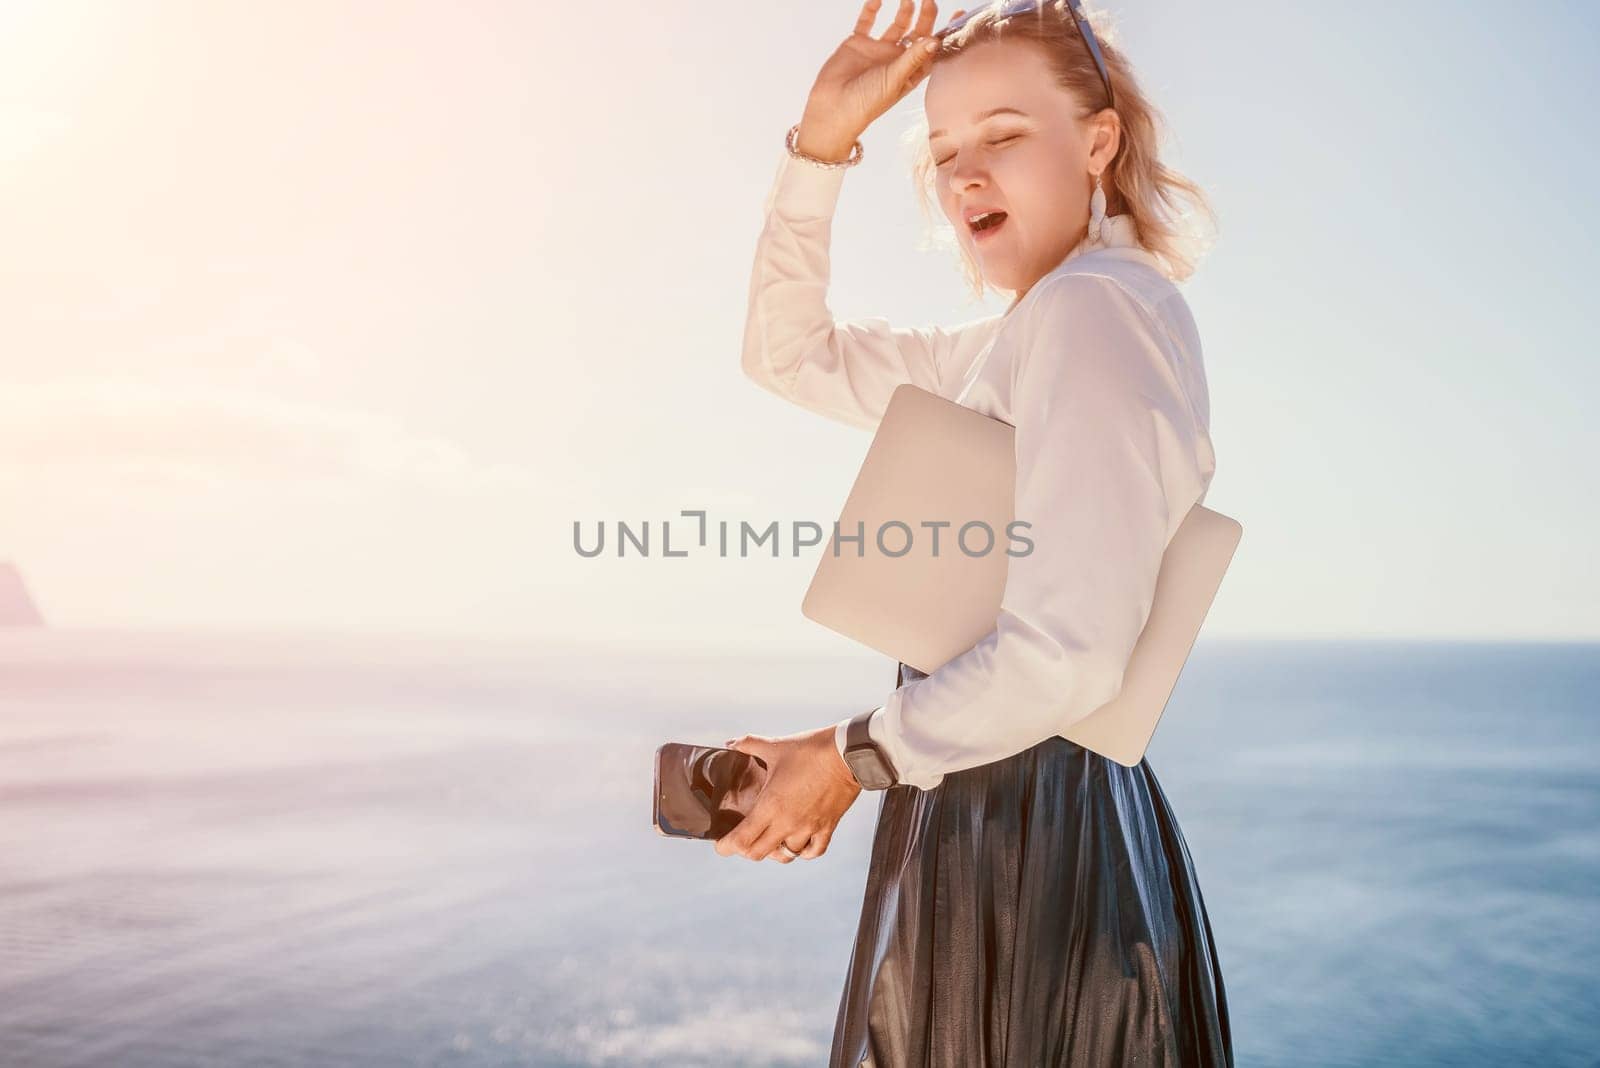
[{"x": 867, "y": 761}]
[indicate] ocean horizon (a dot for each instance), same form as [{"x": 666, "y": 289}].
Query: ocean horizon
[{"x": 371, "y": 851}]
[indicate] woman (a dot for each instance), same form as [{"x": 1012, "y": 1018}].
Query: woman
[{"x": 1029, "y": 902}]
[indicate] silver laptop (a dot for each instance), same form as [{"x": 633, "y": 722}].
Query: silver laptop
[{"x": 933, "y": 459}]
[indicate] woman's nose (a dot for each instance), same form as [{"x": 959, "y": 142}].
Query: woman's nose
[{"x": 963, "y": 179}]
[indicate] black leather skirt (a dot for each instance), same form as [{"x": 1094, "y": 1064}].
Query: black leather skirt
[{"x": 1038, "y": 910}]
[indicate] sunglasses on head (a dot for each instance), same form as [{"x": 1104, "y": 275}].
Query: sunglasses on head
[{"x": 1018, "y": 7}]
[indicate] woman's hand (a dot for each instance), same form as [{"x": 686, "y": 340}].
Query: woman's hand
[
  {"x": 865, "y": 77},
  {"x": 809, "y": 788}
]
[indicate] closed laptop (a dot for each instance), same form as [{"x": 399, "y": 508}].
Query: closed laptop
[{"x": 894, "y": 579}]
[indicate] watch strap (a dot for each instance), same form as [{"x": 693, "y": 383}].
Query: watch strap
[{"x": 858, "y": 733}]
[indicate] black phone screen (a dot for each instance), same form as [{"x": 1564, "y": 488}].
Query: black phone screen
[{"x": 704, "y": 791}]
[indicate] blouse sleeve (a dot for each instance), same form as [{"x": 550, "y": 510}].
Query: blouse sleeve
[
  {"x": 1107, "y": 466},
  {"x": 793, "y": 347}
]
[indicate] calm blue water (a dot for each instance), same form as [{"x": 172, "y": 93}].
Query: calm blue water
[{"x": 298, "y": 851}]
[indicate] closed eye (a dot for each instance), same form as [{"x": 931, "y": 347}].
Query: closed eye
[{"x": 1000, "y": 141}]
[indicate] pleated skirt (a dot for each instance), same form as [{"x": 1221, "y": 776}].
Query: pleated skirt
[{"x": 1039, "y": 910}]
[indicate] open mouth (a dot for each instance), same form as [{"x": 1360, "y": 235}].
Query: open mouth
[{"x": 987, "y": 224}]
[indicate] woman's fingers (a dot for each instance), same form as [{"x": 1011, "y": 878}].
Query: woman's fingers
[
  {"x": 901, "y": 22},
  {"x": 869, "y": 15},
  {"x": 778, "y": 854},
  {"x": 760, "y": 824},
  {"x": 912, "y": 65},
  {"x": 767, "y": 843},
  {"x": 818, "y": 845},
  {"x": 897, "y": 29},
  {"x": 738, "y": 840},
  {"x": 754, "y": 824},
  {"x": 901, "y": 29},
  {"x": 754, "y": 745},
  {"x": 801, "y": 812}
]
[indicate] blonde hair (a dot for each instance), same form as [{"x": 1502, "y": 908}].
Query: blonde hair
[{"x": 1136, "y": 182}]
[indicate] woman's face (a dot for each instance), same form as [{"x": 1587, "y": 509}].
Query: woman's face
[{"x": 1034, "y": 166}]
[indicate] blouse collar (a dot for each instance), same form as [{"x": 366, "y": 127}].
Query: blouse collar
[{"x": 1118, "y": 232}]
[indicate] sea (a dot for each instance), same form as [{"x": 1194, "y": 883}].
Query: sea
[{"x": 290, "y": 849}]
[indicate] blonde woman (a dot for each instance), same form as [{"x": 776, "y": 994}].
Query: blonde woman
[{"x": 1029, "y": 902}]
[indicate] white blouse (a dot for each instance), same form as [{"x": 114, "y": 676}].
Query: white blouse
[{"x": 1099, "y": 369}]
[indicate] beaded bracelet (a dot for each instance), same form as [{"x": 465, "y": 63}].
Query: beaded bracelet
[{"x": 856, "y": 152}]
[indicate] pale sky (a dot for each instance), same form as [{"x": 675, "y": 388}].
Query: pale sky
[{"x": 339, "y": 314}]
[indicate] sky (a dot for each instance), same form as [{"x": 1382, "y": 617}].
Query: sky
[{"x": 339, "y": 315}]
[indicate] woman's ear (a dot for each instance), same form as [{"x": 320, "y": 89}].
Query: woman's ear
[{"x": 1107, "y": 137}]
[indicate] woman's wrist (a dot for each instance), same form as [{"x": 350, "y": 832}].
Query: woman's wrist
[
  {"x": 826, "y": 739},
  {"x": 823, "y": 145}
]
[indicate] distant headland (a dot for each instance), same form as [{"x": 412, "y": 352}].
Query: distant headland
[{"x": 16, "y": 607}]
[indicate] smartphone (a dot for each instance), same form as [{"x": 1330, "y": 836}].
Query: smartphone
[{"x": 703, "y": 791}]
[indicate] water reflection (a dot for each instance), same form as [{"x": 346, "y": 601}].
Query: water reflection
[{"x": 289, "y": 852}]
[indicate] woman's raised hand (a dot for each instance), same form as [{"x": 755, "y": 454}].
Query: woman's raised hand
[{"x": 865, "y": 77}]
